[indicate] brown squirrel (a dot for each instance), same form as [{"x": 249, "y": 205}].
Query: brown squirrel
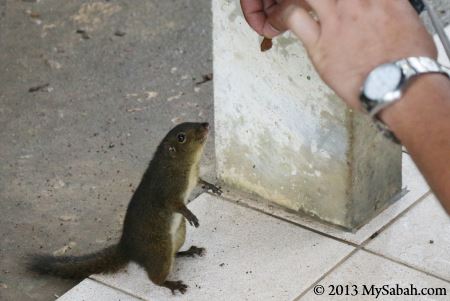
[{"x": 154, "y": 229}]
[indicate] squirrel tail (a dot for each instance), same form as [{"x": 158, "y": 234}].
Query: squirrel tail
[{"x": 107, "y": 260}]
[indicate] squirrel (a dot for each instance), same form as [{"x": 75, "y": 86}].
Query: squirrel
[{"x": 154, "y": 228}]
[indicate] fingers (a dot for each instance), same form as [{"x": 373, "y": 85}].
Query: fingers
[
  {"x": 268, "y": 4},
  {"x": 324, "y": 9},
  {"x": 304, "y": 26},
  {"x": 255, "y": 13},
  {"x": 272, "y": 17},
  {"x": 290, "y": 15},
  {"x": 269, "y": 31}
]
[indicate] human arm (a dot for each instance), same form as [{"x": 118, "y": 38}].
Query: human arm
[{"x": 421, "y": 120}]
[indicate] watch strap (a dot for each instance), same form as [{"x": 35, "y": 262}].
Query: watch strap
[{"x": 411, "y": 67}]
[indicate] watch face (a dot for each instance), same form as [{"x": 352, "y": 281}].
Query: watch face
[{"x": 382, "y": 80}]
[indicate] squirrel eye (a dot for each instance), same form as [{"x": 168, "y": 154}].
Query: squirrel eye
[{"x": 181, "y": 137}]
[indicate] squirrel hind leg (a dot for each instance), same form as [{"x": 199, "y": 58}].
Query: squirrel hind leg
[
  {"x": 175, "y": 286},
  {"x": 158, "y": 272},
  {"x": 158, "y": 275},
  {"x": 158, "y": 268},
  {"x": 192, "y": 252}
]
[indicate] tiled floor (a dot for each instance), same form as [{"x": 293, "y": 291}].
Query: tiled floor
[
  {"x": 268, "y": 254},
  {"x": 248, "y": 252},
  {"x": 367, "y": 269},
  {"x": 420, "y": 239},
  {"x": 90, "y": 289}
]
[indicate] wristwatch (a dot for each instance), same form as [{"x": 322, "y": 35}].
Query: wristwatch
[{"x": 386, "y": 84}]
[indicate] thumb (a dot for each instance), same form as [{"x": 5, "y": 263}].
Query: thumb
[{"x": 294, "y": 15}]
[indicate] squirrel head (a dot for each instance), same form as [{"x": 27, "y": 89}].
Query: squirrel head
[{"x": 186, "y": 141}]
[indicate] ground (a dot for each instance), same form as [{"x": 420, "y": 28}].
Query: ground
[
  {"x": 73, "y": 151},
  {"x": 87, "y": 90}
]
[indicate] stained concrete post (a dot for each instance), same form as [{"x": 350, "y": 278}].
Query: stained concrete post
[{"x": 282, "y": 135}]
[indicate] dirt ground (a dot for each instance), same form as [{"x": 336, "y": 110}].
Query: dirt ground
[
  {"x": 115, "y": 77},
  {"x": 87, "y": 90}
]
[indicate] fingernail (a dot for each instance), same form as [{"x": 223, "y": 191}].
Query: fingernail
[{"x": 274, "y": 29}]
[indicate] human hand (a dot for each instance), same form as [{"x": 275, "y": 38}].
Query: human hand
[
  {"x": 256, "y": 12},
  {"x": 351, "y": 37}
]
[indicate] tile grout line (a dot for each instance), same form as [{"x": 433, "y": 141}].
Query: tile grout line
[
  {"x": 115, "y": 288},
  {"x": 382, "y": 229},
  {"x": 405, "y": 264},
  {"x": 362, "y": 248},
  {"x": 411, "y": 207},
  {"x": 370, "y": 252},
  {"x": 356, "y": 245},
  {"x": 396, "y": 218},
  {"x": 302, "y": 294},
  {"x": 290, "y": 222}
]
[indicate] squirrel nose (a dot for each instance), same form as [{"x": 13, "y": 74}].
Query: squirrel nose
[{"x": 205, "y": 125}]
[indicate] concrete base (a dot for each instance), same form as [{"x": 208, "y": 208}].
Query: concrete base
[{"x": 284, "y": 136}]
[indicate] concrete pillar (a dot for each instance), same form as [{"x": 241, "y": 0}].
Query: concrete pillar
[{"x": 282, "y": 135}]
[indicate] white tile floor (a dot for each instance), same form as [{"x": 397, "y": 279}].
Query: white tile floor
[
  {"x": 366, "y": 269},
  {"x": 268, "y": 254},
  {"x": 248, "y": 252},
  {"x": 420, "y": 238},
  {"x": 90, "y": 289}
]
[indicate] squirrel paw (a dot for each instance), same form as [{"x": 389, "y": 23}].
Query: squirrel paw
[
  {"x": 192, "y": 252},
  {"x": 176, "y": 286},
  {"x": 193, "y": 220},
  {"x": 215, "y": 189}
]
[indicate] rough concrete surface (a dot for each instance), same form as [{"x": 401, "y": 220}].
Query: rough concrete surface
[
  {"x": 72, "y": 153},
  {"x": 294, "y": 143},
  {"x": 442, "y": 7}
]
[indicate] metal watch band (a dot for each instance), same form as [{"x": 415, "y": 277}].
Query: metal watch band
[{"x": 411, "y": 67}]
